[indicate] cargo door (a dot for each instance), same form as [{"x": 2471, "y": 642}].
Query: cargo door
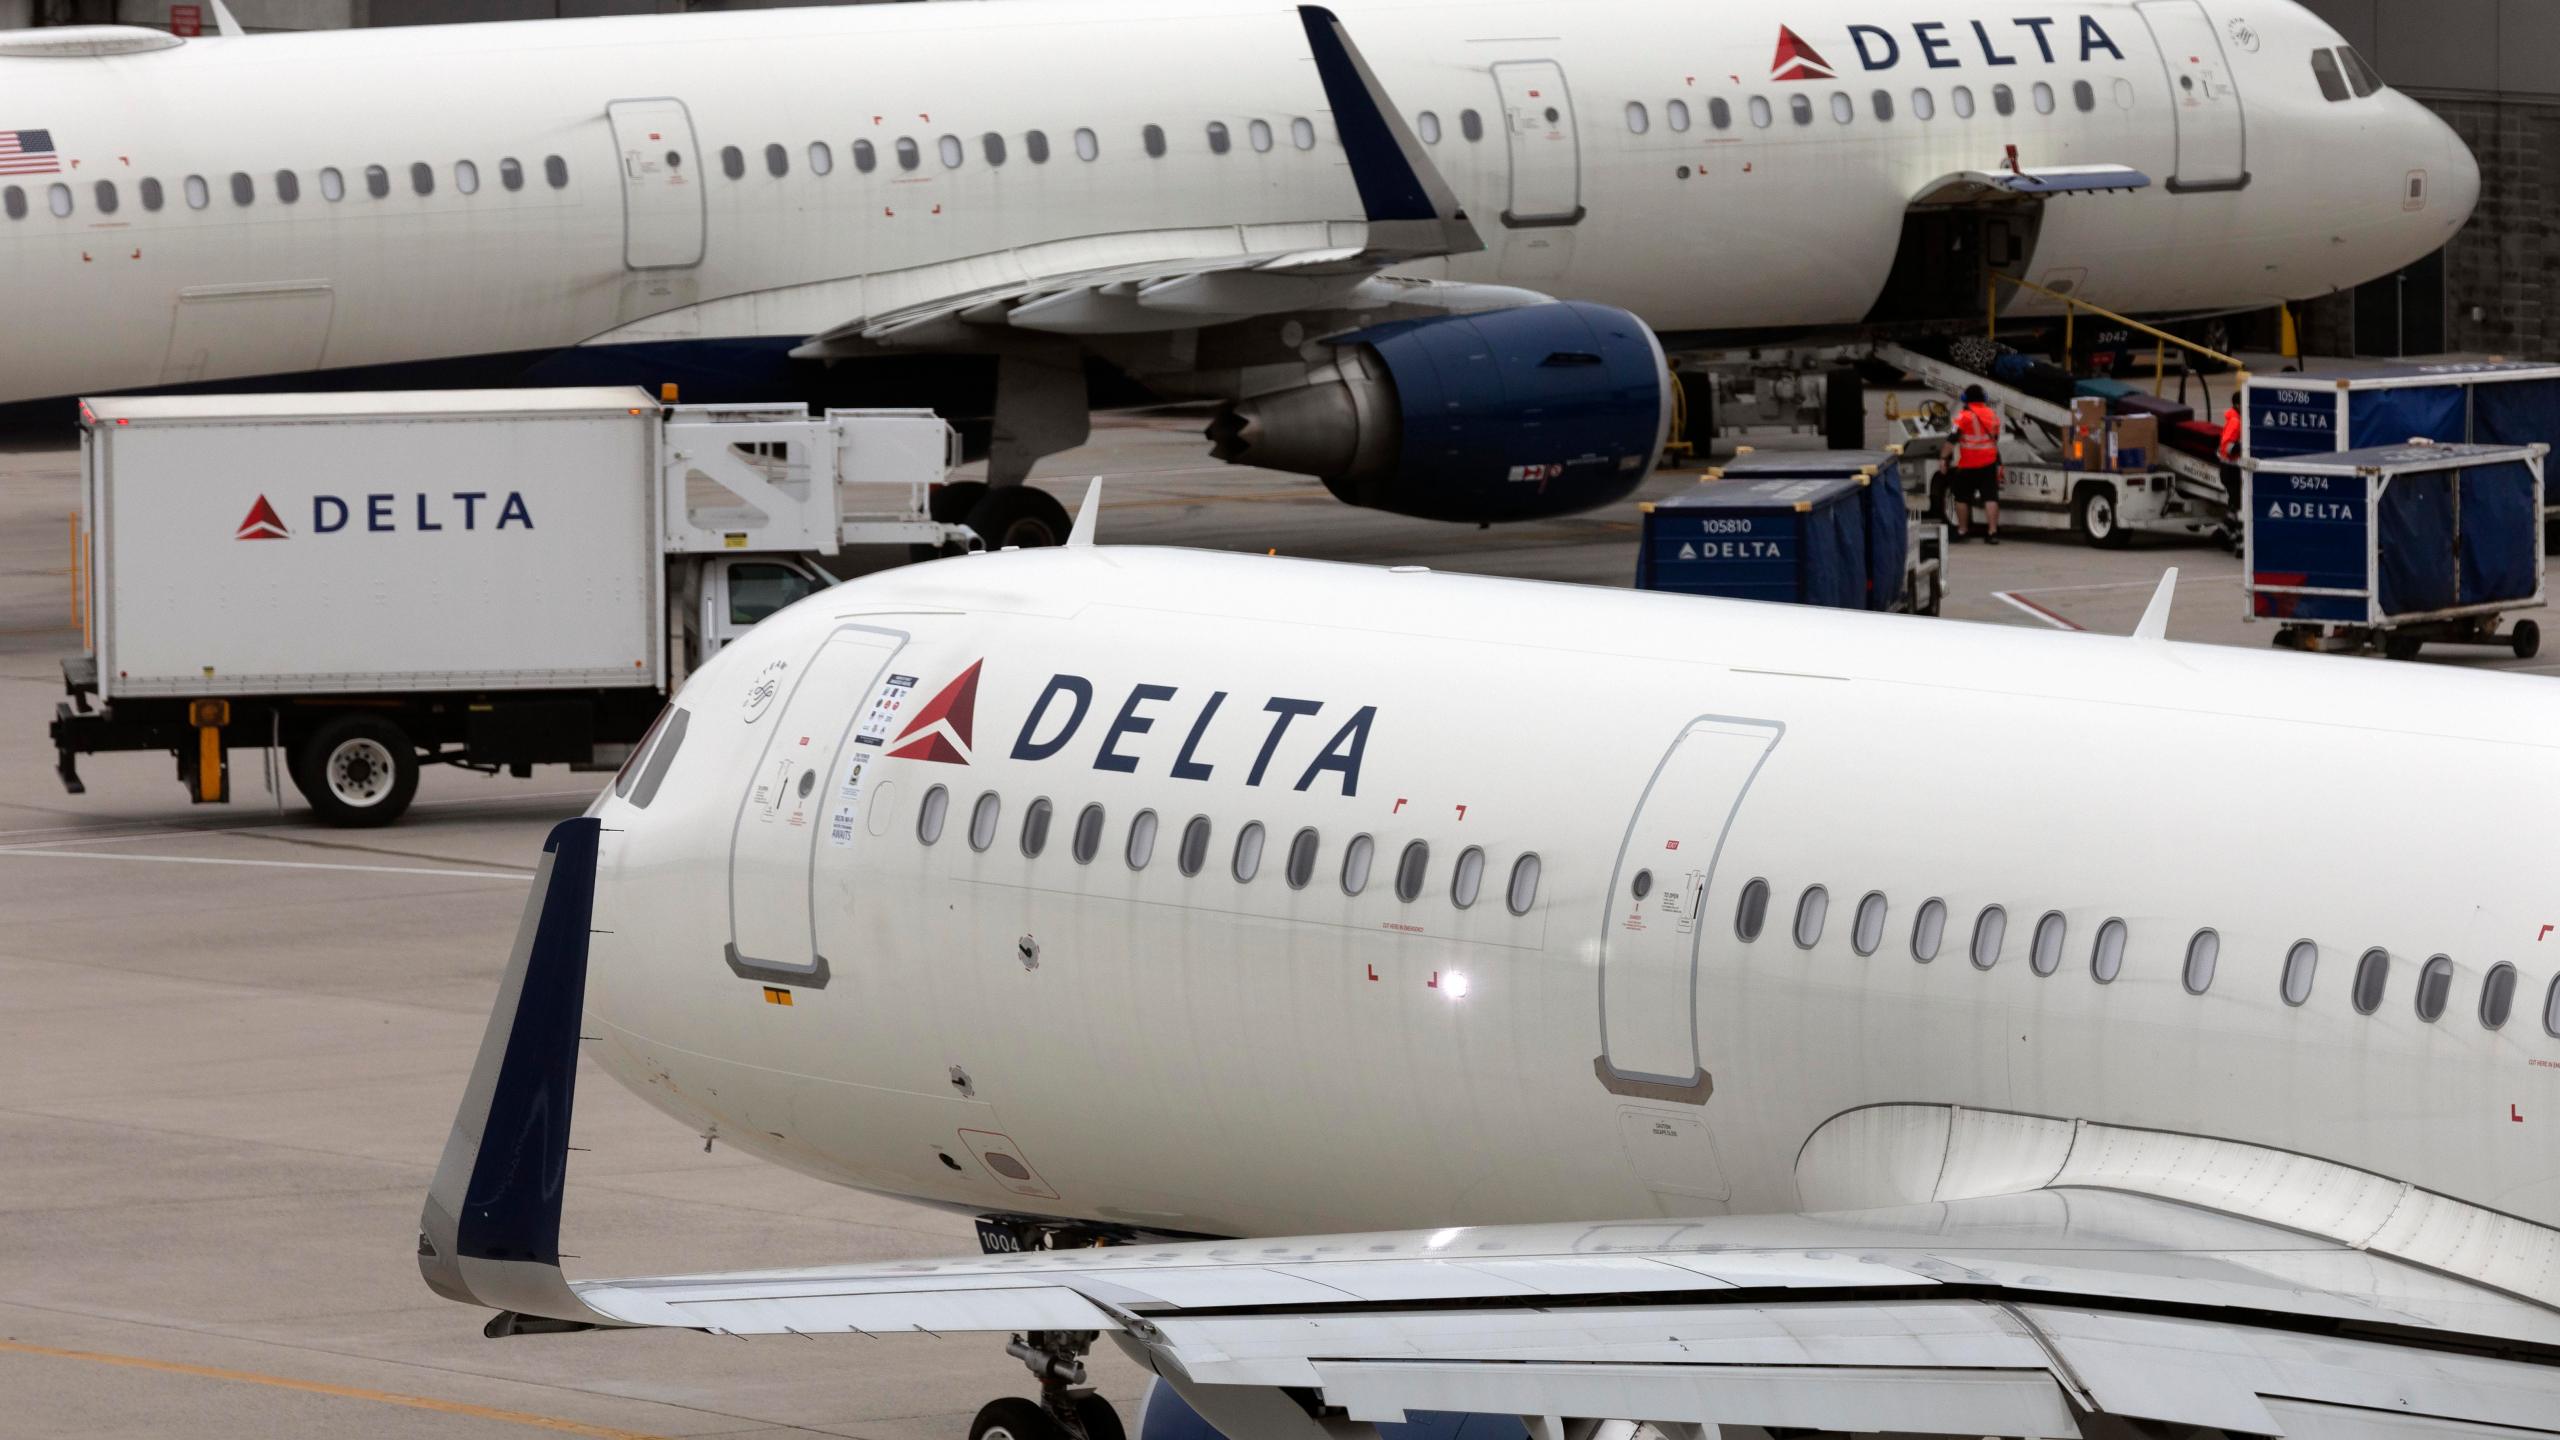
[
  {"x": 662, "y": 190},
  {"x": 802, "y": 794},
  {"x": 1546, "y": 160},
  {"x": 1662, "y": 899},
  {"x": 2212, "y": 144}
]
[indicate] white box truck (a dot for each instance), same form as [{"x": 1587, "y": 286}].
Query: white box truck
[{"x": 360, "y": 584}]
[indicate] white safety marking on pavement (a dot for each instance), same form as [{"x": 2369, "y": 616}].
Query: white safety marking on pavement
[
  {"x": 2058, "y": 622},
  {"x": 269, "y": 864}
]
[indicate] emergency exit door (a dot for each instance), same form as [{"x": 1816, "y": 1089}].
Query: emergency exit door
[
  {"x": 1546, "y": 160},
  {"x": 662, "y": 188},
  {"x": 1664, "y": 898},
  {"x": 796, "y": 800},
  {"x": 2213, "y": 151}
]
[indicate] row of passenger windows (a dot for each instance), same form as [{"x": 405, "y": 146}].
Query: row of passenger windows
[
  {"x": 908, "y": 153},
  {"x": 1244, "y": 856},
  {"x": 284, "y": 185},
  {"x": 1844, "y": 108},
  {"x": 2046, "y": 950}
]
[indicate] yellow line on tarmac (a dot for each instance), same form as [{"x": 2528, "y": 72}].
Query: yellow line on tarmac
[{"x": 316, "y": 1387}]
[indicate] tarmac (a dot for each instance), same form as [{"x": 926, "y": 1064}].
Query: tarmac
[{"x": 231, "y": 1041}]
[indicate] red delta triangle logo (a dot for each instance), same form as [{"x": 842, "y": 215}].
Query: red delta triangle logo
[
  {"x": 263, "y": 524},
  {"x": 1798, "y": 61},
  {"x": 940, "y": 731}
]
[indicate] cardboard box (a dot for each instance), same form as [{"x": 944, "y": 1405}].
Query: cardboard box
[{"x": 2133, "y": 442}]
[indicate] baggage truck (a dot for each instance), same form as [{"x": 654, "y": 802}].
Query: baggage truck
[{"x": 357, "y": 585}]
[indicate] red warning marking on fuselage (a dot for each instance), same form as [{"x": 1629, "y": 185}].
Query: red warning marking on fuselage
[
  {"x": 1399, "y": 806},
  {"x": 2545, "y": 935}
]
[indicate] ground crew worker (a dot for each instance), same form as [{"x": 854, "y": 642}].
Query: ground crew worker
[
  {"x": 2228, "y": 452},
  {"x": 1976, "y": 477}
]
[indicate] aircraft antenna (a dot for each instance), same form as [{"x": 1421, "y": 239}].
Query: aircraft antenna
[
  {"x": 2154, "y": 624},
  {"x": 1087, "y": 515}
]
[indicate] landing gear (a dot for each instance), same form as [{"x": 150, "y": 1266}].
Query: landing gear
[
  {"x": 1011, "y": 515},
  {"x": 1066, "y": 1409}
]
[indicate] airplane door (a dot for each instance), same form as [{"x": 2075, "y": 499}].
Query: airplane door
[
  {"x": 797, "y": 799},
  {"x": 662, "y": 190},
  {"x": 2213, "y": 152},
  {"x": 1663, "y": 898},
  {"x": 1546, "y": 160}
]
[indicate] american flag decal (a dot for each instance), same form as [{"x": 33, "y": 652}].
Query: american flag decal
[{"x": 28, "y": 152}]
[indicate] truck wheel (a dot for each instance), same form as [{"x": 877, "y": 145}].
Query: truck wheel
[
  {"x": 2527, "y": 638},
  {"x": 1019, "y": 515},
  {"x": 358, "y": 771},
  {"x": 2095, "y": 517},
  {"x": 2399, "y": 646},
  {"x": 952, "y": 502}
]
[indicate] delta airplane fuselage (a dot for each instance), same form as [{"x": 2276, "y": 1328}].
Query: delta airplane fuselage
[
  {"x": 289, "y": 203},
  {"x": 1235, "y": 895}
]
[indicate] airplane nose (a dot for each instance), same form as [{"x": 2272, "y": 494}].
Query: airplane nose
[{"x": 2461, "y": 172}]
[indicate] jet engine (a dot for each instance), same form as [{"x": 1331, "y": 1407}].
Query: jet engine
[{"x": 1504, "y": 415}]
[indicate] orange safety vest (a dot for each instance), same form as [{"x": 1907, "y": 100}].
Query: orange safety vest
[
  {"x": 2231, "y": 434},
  {"x": 1977, "y": 437}
]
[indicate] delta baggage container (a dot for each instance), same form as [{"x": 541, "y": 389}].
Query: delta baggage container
[
  {"x": 2397, "y": 546},
  {"x": 1884, "y": 518},
  {"x": 2455, "y": 402},
  {"x": 1798, "y": 541}
]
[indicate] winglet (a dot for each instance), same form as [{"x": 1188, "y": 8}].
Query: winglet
[
  {"x": 1088, "y": 515},
  {"x": 490, "y": 1232},
  {"x": 1410, "y": 206},
  {"x": 2154, "y": 624}
]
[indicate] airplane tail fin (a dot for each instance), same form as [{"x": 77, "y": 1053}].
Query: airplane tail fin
[
  {"x": 490, "y": 1232},
  {"x": 1411, "y": 207}
]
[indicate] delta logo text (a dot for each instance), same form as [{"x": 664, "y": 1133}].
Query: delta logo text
[
  {"x": 1940, "y": 46},
  {"x": 383, "y": 513}
]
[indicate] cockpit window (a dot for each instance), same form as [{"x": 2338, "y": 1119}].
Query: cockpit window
[
  {"x": 2324, "y": 68},
  {"x": 653, "y": 771},
  {"x": 2359, "y": 74}
]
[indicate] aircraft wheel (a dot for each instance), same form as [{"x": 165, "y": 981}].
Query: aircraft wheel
[
  {"x": 358, "y": 771},
  {"x": 951, "y": 503},
  {"x": 1019, "y": 515},
  {"x": 1013, "y": 1418}
]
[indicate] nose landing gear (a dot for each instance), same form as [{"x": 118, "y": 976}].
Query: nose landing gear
[{"x": 1066, "y": 1410}]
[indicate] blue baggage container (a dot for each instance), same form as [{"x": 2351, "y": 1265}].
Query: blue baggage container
[
  {"x": 2395, "y": 535},
  {"x": 1798, "y": 541},
  {"x": 2456, "y": 402},
  {"x": 1884, "y": 516}
]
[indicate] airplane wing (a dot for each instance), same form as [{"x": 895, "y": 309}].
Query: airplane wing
[{"x": 2065, "y": 1309}]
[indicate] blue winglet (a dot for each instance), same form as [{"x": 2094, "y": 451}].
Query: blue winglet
[{"x": 1399, "y": 187}]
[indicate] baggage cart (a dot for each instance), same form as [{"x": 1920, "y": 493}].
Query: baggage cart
[
  {"x": 1906, "y": 564},
  {"x": 2488, "y": 402}
]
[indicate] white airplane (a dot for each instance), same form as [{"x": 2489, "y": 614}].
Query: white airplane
[
  {"x": 918, "y": 203},
  {"x": 1750, "y": 1016}
]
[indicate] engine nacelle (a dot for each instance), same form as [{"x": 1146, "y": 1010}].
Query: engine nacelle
[{"x": 1504, "y": 415}]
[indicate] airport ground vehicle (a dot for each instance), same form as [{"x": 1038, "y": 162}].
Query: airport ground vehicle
[{"x": 357, "y": 585}]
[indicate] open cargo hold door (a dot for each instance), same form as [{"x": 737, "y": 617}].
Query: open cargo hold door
[
  {"x": 662, "y": 185},
  {"x": 2213, "y": 149}
]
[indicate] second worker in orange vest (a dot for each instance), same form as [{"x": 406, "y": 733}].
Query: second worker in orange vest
[{"x": 1975, "y": 480}]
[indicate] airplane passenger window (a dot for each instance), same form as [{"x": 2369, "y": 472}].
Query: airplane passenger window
[
  {"x": 1356, "y": 859},
  {"x": 2106, "y": 958},
  {"x": 2551, "y": 1009},
  {"x": 733, "y": 162},
  {"x": 1961, "y": 100},
  {"x": 2084, "y": 95},
  {"x": 1219, "y": 141},
  {"x": 2203, "y": 950},
  {"x": 288, "y": 187},
  {"x": 865, "y": 158},
  {"x": 1800, "y": 109},
  {"x": 1638, "y": 121},
  {"x": 1302, "y": 859},
  {"x": 1426, "y": 125},
  {"x": 1812, "y": 908},
  {"x": 1470, "y": 125},
  {"x": 2043, "y": 94},
  {"x": 1752, "y": 912},
  {"x": 14, "y": 201},
  {"x": 555, "y": 171},
  {"x": 1927, "y": 929},
  {"x": 2373, "y": 976},
  {"x": 104, "y": 195},
  {"x": 152, "y": 195},
  {"x": 1524, "y": 890},
  {"x": 982, "y": 821},
  {"x": 1843, "y": 109},
  {"x": 992, "y": 145},
  {"x": 1258, "y": 134},
  {"x": 1883, "y": 102},
  {"x": 1468, "y": 882},
  {"x": 1035, "y": 827},
  {"x": 2123, "y": 90},
  {"x": 2435, "y": 987},
  {"x": 1867, "y": 935},
  {"x": 952, "y": 151},
  {"x": 1152, "y": 137},
  {"x": 1195, "y": 846},
  {"x": 1989, "y": 929},
  {"x": 1142, "y": 840},
  {"x": 1035, "y": 143},
  {"x": 199, "y": 195},
  {"x": 422, "y": 177},
  {"x": 377, "y": 181},
  {"x": 1088, "y": 837},
  {"x": 909, "y": 157},
  {"x": 510, "y": 173},
  {"x": 1411, "y": 868},
  {"x": 243, "y": 190},
  {"x": 2044, "y": 956},
  {"x": 2333, "y": 82},
  {"x": 1760, "y": 114},
  {"x": 822, "y": 158},
  {"x": 777, "y": 161},
  {"x": 1675, "y": 114},
  {"x": 1924, "y": 106},
  {"x": 930, "y": 815},
  {"x": 1719, "y": 114},
  {"x": 1302, "y": 133},
  {"x": 2359, "y": 74},
  {"x": 2004, "y": 100},
  {"x": 466, "y": 177},
  {"x": 2300, "y": 964},
  {"x": 661, "y": 756},
  {"x": 1248, "y": 857},
  {"x": 1088, "y": 146},
  {"x": 333, "y": 186},
  {"x": 2497, "y": 996}
]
